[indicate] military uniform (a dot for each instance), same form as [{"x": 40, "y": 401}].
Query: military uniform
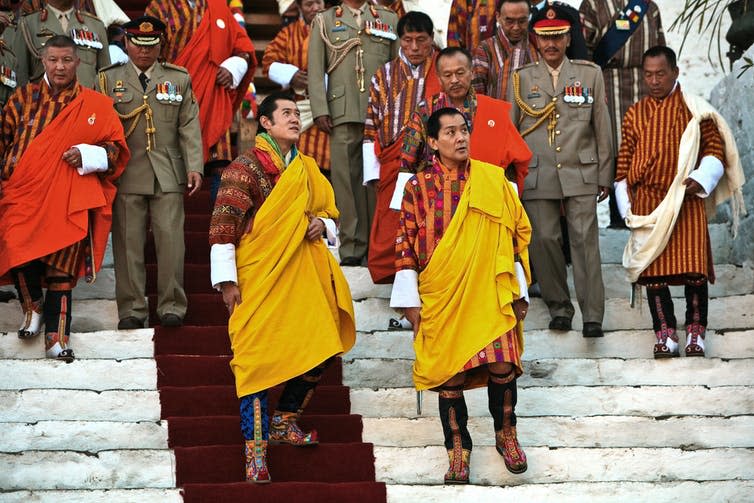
[
  {"x": 8, "y": 76},
  {"x": 572, "y": 158},
  {"x": 364, "y": 48},
  {"x": 84, "y": 28},
  {"x": 163, "y": 151}
]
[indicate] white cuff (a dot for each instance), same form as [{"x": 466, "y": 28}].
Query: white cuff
[
  {"x": 282, "y": 73},
  {"x": 708, "y": 174},
  {"x": 222, "y": 259},
  {"x": 237, "y": 67},
  {"x": 93, "y": 159},
  {"x": 331, "y": 230},
  {"x": 239, "y": 19},
  {"x": 621, "y": 197},
  {"x": 523, "y": 288},
  {"x": 405, "y": 289},
  {"x": 371, "y": 164},
  {"x": 400, "y": 185}
]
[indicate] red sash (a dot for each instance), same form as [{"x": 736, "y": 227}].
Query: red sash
[
  {"x": 46, "y": 205},
  {"x": 217, "y": 37}
]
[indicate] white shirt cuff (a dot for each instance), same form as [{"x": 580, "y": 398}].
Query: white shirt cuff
[
  {"x": 222, "y": 259},
  {"x": 282, "y": 73},
  {"x": 621, "y": 197},
  {"x": 405, "y": 289},
  {"x": 331, "y": 230},
  {"x": 400, "y": 185},
  {"x": 93, "y": 159},
  {"x": 708, "y": 174},
  {"x": 371, "y": 164},
  {"x": 523, "y": 288},
  {"x": 237, "y": 67}
]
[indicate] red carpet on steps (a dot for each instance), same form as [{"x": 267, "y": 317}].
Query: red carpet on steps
[{"x": 200, "y": 405}]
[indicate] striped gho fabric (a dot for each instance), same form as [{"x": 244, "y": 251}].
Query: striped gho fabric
[
  {"x": 494, "y": 61},
  {"x": 291, "y": 46},
  {"x": 181, "y": 21},
  {"x": 396, "y": 6},
  {"x": 624, "y": 82},
  {"x": 471, "y": 21},
  {"x": 648, "y": 160}
]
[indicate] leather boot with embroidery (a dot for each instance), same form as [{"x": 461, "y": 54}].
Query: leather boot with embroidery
[
  {"x": 667, "y": 343},
  {"x": 695, "y": 333},
  {"x": 256, "y": 462},
  {"x": 33, "y": 321},
  {"x": 506, "y": 444},
  {"x": 458, "y": 471},
  {"x": 285, "y": 430}
]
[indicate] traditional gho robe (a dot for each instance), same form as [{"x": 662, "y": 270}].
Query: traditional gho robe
[
  {"x": 654, "y": 139},
  {"x": 48, "y": 211},
  {"x": 470, "y": 22},
  {"x": 395, "y": 91},
  {"x": 463, "y": 232},
  {"x": 291, "y": 47},
  {"x": 396, "y": 6},
  {"x": 494, "y": 138},
  {"x": 494, "y": 61},
  {"x": 199, "y": 39},
  {"x": 293, "y": 292}
]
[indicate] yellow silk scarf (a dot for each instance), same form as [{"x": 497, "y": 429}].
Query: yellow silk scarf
[
  {"x": 296, "y": 309},
  {"x": 470, "y": 282}
]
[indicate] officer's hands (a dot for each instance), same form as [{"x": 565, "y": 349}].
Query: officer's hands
[
  {"x": 300, "y": 80},
  {"x": 414, "y": 315},
  {"x": 520, "y": 308},
  {"x": 693, "y": 187},
  {"x": 603, "y": 193},
  {"x": 224, "y": 78},
  {"x": 73, "y": 157},
  {"x": 231, "y": 295},
  {"x": 315, "y": 229},
  {"x": 194, "y": 182},
  {"x": 324, "y": 122}
]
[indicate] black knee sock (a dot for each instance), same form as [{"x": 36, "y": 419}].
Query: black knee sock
[
  {"x": 454, "y": 417},
  {"x": 57, "y": 312},
  {"x": 502, "y": 398},
  {"x": 28, "y": 282},
  {"x": 661, "y": 308},
  {"x": 697, "y": 302}
]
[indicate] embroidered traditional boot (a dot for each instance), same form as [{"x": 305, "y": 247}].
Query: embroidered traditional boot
[
  {"x": 57, "y": 314},
  {"x": 285, "y": 430},
  {"x": 454, "y": 416},
  {"x": 256, "y": 462},
  {"x": 502, "y": 394},
  {"x": 697, "y": 300},
  {"x": 458, "y": 471},
  {"x": 33, "y": 320},
  {"x": 663, "y": 321},
  {"x": 28, "y": 283}
]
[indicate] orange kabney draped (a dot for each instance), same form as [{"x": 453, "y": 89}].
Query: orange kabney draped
[
  {"x": 46, "y": 205},
  {"x": 217, "y": 38}
]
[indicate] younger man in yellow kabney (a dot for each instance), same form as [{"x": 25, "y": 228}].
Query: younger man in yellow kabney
[
  {"x": 280, "y": 283},
  {"x": 462, "y": 275}
]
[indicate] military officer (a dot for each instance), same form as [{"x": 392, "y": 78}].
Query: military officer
[
  {"x": 61, "y": 17},
  {"x": 8, "y": 77},
  {"x": 347, "y": 45},
  {"x": 559, "y": 106},
  {"x": 161, "y": 119}
]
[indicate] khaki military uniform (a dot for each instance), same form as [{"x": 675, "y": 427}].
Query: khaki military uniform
[
  {"x": 345, "y": 100},
  {"x": 571, "y": 159},
  {"x": 8, "y": 65},
  {"x": 154, "y": 181},
  {"x": 36, "y": 28}
]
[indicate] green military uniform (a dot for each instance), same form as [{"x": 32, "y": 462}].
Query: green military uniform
[
  {"x": 164, "y": 149},
  {"x": 8, "y": 65},
  {"x": 573, "y": 157},
  {"x": 359, "y": 49},
  {"x": 84, "y": 28}
]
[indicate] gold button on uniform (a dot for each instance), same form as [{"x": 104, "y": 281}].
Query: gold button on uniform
[
  {"x": 557, "y": 116},
  {"x": 558, "y": 165},
  {"x": 554, "y": 98},
  {"x": 557, "y": 132},
  {"x": 557, "y": 149}
]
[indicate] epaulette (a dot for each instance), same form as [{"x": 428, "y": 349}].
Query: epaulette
[
  {"x": 113, "y": 65},
  {"x": 94, "y": 16},
  {"x": 171, "y": 66},
  {"x": 527, "y": 65},
  {"x": 584, "y": 62}
]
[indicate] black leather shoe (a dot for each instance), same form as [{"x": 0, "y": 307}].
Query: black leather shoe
[
  {"x": 6, "y": 296},
  {"x": 350, "y": 261},
  {"x": 560, "y": 323},
  {"x": 592, "y": 329},
  {"x": 130, "y": 323},
  {"x": 171, "y": 320}
]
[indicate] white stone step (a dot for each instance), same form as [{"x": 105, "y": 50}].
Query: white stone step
[
  {"x": 384, "y": 373},
  {"x": 553, "y": 432},
  {"x": 579, "y": 492},
  {"x": 82, "y": 436},
  {"x": 119, "y": 469},
  {"x": 96, "y": 375},
  {"x": 648, "y": 401},
  {"x": 546, "y": 344},
  {"x": 406, "y": 465},
  {"x": 89, "y": 496},
  {"x": 76, "y": 405},
  {"x": 111, "y": 344}
]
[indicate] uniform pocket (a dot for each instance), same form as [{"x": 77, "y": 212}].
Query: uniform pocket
[
  {"x": 123, "y": 102},
  {"x": 530, "y": 182},
  {"x": 179, "y": 167},
  {"x": 166, "y": 111},
  {"x": 580, "y": 112},
  {"x": 589, "y": 166},
  {"x": 336, "y": 101}
]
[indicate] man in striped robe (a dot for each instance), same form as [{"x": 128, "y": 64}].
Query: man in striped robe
[
  {"x": 284, "y": 62},
  {"x": 394, "y": 92},
  {"x": 663, "y": 178},
  {"x": 471, "y": 21},
  {"x": 511, "y": 47}
]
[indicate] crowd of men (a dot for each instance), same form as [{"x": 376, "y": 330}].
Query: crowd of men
[{"x": 459, "y": 174}]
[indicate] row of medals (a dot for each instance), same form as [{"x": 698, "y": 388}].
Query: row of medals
[
  {"x": 86, "y": 38},
  {"x": 578, "y": 95},
  {"x": 8, "y": 76},
  {"x": 167, "y": 91}
]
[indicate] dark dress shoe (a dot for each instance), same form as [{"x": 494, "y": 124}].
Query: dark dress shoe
[
  {"x": 560, "y": 323},
  {"x": 130, "y": 323},
  {"x": 6, "y": 296},
  {"x": 350, "y": 261},
  {"x": 171, "y": 320},
  {"x": 592, "y": 329}
]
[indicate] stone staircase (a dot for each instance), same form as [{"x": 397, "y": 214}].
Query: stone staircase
[{"x": 600, "y": 419}]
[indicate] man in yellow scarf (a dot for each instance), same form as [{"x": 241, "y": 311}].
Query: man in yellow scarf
[
  {"x": 463, "y": 271},
  {"x": 280, "y": 283}
]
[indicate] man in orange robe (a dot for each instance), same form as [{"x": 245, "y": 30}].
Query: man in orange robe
[
  {"x": 395, "y": 90},
  {"x": 62, "y": 148}
]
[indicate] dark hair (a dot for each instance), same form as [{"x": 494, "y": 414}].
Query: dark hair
[
  {"x": 452, "y": 51},
  {"x": 661, "y": 50},
  {"x": 501, "y": 2},
  {"x": 415, "y": 22},
  {"x": 269, "y": 105},
  {"x": 433, "y": 123},
  {"x": 60, "y": 41}
]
